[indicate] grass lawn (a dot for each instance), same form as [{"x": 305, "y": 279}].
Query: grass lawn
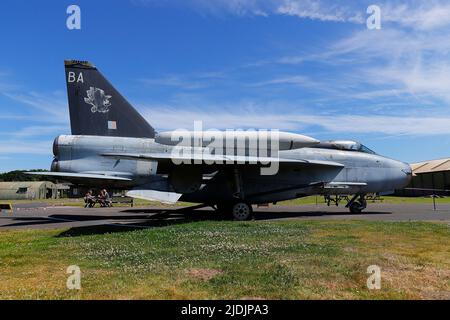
[{"x": 230, "y": 260}]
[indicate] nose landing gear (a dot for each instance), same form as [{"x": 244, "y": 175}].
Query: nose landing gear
[{"x": 357, "y": 204}]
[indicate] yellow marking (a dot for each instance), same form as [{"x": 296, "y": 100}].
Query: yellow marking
[{"x": 6, "y": 206}]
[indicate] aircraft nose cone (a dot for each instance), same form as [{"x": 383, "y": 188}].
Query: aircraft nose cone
[{"x": 406, "y": 174}]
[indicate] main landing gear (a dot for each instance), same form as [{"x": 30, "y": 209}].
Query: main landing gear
[
  {"x": 239, "y": 210},
  {"x": 356, "y": 204}
]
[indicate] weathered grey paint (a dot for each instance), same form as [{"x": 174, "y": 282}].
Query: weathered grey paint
[{"x": 374, "y": 173}]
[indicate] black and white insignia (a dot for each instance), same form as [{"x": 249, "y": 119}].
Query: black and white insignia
[{"x": 98, "y": 100}]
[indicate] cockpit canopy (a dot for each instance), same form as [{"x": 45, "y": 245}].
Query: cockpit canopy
[{"x": 347, "y": 145}]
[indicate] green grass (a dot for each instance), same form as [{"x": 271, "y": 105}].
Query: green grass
[{"x": 230, "y": 260}]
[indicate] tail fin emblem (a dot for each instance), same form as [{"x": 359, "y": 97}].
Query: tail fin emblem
[{"x": 98, "y": 100}]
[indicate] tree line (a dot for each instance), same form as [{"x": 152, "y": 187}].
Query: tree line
[{"x": 19, "y": 175}]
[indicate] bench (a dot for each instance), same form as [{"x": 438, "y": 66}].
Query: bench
[
  {"x": 374, "y": 198},
  {"x": 123, "y": 199}
]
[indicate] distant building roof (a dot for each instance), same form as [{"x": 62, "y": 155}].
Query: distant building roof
[{"x": 431, "y": 166}]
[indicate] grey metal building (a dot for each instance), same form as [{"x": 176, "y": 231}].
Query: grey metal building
[
  {"x": 431, "y": 176},
  {"x": 22, "y": 190}
]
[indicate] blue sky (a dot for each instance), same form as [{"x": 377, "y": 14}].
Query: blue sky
[{"x": 310, "y": 67}]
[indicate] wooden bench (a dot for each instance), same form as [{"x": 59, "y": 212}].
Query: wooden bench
[
  {"x": 374, "y": 198},
  {"x": 123, "y": 199}
]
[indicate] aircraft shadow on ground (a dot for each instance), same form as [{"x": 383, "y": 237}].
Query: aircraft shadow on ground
[
  {"x": 151, "y": 218},
  {"x": 28, "y": 221},
  {"x": 148, "y": 218}
]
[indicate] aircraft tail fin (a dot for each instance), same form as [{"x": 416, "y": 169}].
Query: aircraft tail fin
[{"x": 97, "y": 108}]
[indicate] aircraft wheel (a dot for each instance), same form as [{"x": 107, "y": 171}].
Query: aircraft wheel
[
  {"x": 356, "y": 207},
  {"x": 242, "y": 211}
]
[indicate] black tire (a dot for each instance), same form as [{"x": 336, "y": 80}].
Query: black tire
[
  {"x": 356, "y": 207},
  {"x": 242, "y": 211}
]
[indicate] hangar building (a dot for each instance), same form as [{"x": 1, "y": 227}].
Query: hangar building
[
  {"x": 433, "y": 175},
  {"x": 28, "y": 190}
]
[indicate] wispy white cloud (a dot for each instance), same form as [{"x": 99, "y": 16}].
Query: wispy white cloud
[
  {"x": 6, "y": 85},
  {"x": 336, "y": 11},
  {"x": 191, "y": 81},
  {"x": 34, "y": 131},
  {"x": 250, "y": 116},
  {"x": 297, "y": 80},
  {"x": 390, "y": 125},
  {"x": 417, "y": 63},
  {"x": 414, "y": 14},
  {"x": 52, "y": 105},
  {"x": 16, "y": 146},
  {"x": 408, "y": 58},
  {"x": 322, "y": 10},
  {"x": 48, "y": 109},
  {"x": 174, "y": 81},
  {"x": 419, "y": 15},
  {"x": 165, "y": 117}
]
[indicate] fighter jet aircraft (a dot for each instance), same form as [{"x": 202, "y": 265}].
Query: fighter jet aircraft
[{"x": 113, "y": 146}]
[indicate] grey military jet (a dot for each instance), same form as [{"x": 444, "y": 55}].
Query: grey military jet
[{"x": 113, "y": 146}]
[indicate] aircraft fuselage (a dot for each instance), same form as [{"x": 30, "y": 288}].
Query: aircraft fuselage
[{"x": 361, "y": 172}]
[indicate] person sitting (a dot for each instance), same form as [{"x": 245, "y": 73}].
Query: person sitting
[
  {"x": 106, "y": 198},
  {"x": 89, "y": 200},
  {"x": 101, "y": 198}
]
